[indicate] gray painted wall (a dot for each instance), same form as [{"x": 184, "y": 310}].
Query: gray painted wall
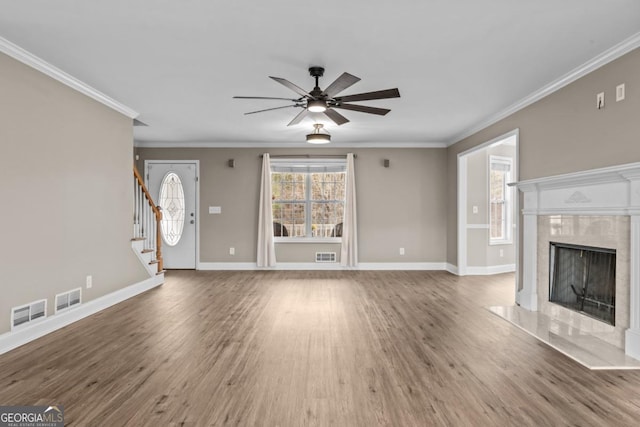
[
  {"x": 66, "y": 191},
  {"x": 400, "y": 206},
  {"x": 564, "y": 132},
  {"x": 479, "y": 252}
]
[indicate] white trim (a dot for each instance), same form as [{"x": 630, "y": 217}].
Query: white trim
[
  {"x": 606, "y": 175},
  {"x": 327, "y": 266},
  {"x": 197, "y": 163},
  {"x": 27, "y": 58},
  {"x": 491, "y": 269},
  {"x": 209, "y": 266},
  {"x": 453, "y": 269},
  {"x": 248, "y": 144},
  {"x": 137, "y": 246},
  {"x": 462, "y": 225},
  {"x": 425, "y": 266},
  {"x": 508, "y": 208},
  {"x": 329, "y": 240},
  {"x": 477, "y": 226},
  {"x": 462, "y": 214},
  {"x": 11, "y": 340},
  {"x": 593, "y": 64}
]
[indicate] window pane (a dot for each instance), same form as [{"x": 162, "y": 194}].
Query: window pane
[
  {"x": 499, "y": 218},
  {"x": 171, "y": 201},
  {"x": 290, "y": 204}
]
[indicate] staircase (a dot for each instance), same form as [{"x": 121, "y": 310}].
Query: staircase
[{"x": 146, "y": 241}]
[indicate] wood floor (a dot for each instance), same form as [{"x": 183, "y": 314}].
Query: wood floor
[{"x": 313, "y": 348}]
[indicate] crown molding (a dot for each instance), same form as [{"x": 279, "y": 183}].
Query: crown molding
[
  {"x": 27, "y": 58},
  {"x": 593, "y": 64},
  {"x": 231, "y": 144}
]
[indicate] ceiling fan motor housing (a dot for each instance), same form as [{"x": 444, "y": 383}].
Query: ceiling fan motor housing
[{"x": 316, "y": 71}]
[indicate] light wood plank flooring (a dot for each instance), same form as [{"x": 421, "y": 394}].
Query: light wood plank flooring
[{"x": 313, "y": 349}]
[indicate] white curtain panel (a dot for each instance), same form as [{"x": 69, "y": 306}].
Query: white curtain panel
[
  {"x": 349, "y": 251},
  {"x": 266, "y": 246}
]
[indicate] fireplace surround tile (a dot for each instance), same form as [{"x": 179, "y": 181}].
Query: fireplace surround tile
[{"x": 610, "y": 232}]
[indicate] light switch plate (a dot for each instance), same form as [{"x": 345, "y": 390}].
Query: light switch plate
[
  {"x": 620, "y": 92},
  {"x": 215, "y": 209}
]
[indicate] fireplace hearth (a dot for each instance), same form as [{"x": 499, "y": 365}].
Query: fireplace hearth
[{"x": 583, "y": 279}]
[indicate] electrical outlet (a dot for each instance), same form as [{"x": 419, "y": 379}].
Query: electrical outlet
[
  {"x": 401, "y": 251},
  {"x": 501, "y": 252},
  {"x": 232, "y": 251},
  {"x": 89, "y": 282},
  {"x": 475, "y": 209},
  {"x": 600, "y": 101}
]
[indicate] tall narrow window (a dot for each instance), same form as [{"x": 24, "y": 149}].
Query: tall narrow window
[
  {"x": 500, "y": 215},
  {"x": 308, "y": 198},
  {"x": 171, "y": 201}
]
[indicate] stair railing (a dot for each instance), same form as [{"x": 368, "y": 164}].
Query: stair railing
[{"x": 146, "y": 219}]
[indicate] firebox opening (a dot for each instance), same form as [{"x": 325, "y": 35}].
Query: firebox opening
[{"x": 583, "y": 279}]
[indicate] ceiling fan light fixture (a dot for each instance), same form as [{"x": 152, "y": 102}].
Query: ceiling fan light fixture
[
  {"x": 316, "y": 106},
  {"x": 318, "y": 137}
]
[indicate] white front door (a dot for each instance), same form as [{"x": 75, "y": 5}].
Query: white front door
[{"x": 173, "y": 186}]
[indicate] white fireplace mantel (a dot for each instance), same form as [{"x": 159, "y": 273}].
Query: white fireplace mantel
[{"x": 606, "y": 191}]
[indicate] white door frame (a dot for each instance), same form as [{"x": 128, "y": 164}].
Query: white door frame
[
  {"x": 197, "y": 163},
  {"x": 462, "y": 202}
]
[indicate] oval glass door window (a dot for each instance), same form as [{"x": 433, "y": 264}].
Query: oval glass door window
[{"x": 172, "y": 202}]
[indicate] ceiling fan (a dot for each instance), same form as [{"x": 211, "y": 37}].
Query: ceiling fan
[{"x": 326, "y": 101}]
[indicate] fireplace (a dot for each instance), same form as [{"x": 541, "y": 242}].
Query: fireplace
[
  {"x": 598, "y": 208},
  {"x": 583, "y": 279}
]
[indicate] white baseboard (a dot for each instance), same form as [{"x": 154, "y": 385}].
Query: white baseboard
[
  {"x": 491, "y": 269},
  {"x": 453, "y": 269},
  {"x": 324, "y": 266},
  {"x": 401, "y": 266},
  {"x": 16, "y": 338},
  {"x": 227, "y": 266}
]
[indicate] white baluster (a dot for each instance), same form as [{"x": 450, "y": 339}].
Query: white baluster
[
  {"x": 135, "y": 185},
  {"x": 139, "y": 212}
]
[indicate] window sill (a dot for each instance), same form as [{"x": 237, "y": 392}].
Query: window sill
[
  {"x": 307, "y": 239},
  {"x": 500, "y": 242}
]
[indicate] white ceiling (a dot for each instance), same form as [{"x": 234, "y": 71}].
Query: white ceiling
[{"x": 178, "y": 63}]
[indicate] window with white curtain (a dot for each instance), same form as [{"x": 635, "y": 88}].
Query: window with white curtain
[
  {"x": 308, "y": 198},
  {"x": 500, "y": 200}
]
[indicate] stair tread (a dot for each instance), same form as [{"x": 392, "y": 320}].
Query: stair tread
[
  {"x": 146, "y": 251},
  {"x": 161, "y": 272},
  {"x": 137, "y": 239},
  {"x": 154, "y": 261}
]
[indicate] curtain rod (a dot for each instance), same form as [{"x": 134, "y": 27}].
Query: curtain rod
[{"x": 308, "y": 156}]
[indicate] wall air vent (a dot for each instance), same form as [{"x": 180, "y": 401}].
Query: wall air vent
[
  {"x": 25, "y": 314},
  {"x": 325, "y": 257},
  {"x": 68, "y": 299}
]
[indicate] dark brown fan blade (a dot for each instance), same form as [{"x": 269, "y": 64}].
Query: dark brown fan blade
[
  {"x": 363, "y": 109},
  {"x": 264, "y": 97},
  {"x": 293, "y": 87},
  {"x": 269, "y": 109},
  {"x": 340, "y": 84},
  {"x": 379, "y": 94},
  {"x": 337, "y": 118},
  {"x": 297, "y": 119}
]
